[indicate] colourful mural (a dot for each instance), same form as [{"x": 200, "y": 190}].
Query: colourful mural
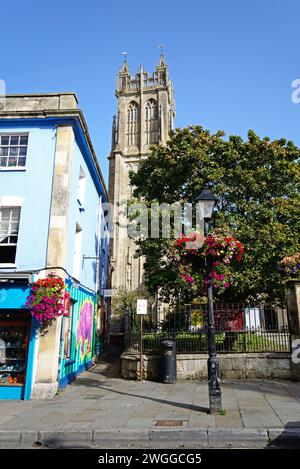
[
  {"x": 77, "y": 344},
  {"x": 84, "y": 330}
]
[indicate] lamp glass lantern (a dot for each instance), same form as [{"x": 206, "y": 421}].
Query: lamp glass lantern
[{"x": 209, "y": 201}]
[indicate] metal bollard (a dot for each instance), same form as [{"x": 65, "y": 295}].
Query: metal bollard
[{"x": 168, "y": 362}]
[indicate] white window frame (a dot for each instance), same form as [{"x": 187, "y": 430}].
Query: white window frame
[
  {"x": 9, "y": 233},
  {"x": 18, "y": 146}
]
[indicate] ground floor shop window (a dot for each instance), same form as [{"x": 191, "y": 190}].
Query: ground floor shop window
[{"x": 14, "y": 342}]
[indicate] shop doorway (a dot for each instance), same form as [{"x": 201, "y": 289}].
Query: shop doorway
[{"x": 14, "y": 345}]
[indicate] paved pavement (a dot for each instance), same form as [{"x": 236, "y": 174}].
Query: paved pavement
[{"x": 101, "y": 410}]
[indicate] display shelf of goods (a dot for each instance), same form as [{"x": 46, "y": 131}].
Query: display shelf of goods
[{"x": 14, "y": 340}]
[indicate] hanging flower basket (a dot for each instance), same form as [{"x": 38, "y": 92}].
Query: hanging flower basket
[
  {"x": 46, "y": 299},
  {"x": 289, "y": 266},
  {"x": 192, "y": 250},
  {"x": 222, "y": 247}
]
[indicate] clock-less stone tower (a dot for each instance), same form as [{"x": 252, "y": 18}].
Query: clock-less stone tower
[{"x": 145, "y": 117}]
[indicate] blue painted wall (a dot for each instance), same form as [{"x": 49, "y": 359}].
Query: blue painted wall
[
  {"x": 86, "y": 218},
  {"x": 35, "y": 185}
]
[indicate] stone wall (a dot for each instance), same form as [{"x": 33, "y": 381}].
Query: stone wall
[
  {"x": 194, "y": 366},
  {"x": 39, "y": 102}
]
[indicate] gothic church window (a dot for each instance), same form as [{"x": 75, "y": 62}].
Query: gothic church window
[
  {"x": 132, "y": 124},
  {"x": 151, "y": 122}
]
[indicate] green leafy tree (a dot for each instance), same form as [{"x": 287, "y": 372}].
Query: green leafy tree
[
  {"x": 124, "y": 302},
  {"x": 257, "y": 183}
]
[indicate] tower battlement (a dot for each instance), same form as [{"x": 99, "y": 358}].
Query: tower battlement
[{"x": 142, "y": 79}]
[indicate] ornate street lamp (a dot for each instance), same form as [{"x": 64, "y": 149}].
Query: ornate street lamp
[{"x": 209, "y": 202}]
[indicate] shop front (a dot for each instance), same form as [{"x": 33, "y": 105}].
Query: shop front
[{"x": 17, "y": 339}]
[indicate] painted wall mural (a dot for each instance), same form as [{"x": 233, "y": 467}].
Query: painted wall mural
[
  {"x": 84, "y": 330},
  {"x": 77, "y": 355}
]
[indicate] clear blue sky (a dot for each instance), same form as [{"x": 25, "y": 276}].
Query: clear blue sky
[{"x": 231, "y": 61}]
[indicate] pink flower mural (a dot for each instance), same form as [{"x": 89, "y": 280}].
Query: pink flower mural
[{"x": 84, "y": 329}]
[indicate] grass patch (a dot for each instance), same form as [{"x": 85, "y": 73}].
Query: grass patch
[{"x": 229, "y": 341}]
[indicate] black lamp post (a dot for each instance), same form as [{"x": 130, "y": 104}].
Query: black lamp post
[{"x": 209, "y": 201}]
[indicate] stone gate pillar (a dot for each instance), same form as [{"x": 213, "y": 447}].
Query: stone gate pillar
[{"x": 293, "y": 305}]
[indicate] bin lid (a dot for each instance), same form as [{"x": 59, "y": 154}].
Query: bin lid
[{"x": 168, "y": 343}]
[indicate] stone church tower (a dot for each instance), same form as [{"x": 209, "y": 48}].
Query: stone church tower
[{"x": 145, "y": 116}]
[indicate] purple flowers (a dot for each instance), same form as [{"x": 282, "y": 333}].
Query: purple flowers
[{"x": 46, "y": 300}]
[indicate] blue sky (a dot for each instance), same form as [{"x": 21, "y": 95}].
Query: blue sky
[{"x": 232, "y": 62}]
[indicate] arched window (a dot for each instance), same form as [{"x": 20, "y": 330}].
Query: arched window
[
  {"x": 132, "y": 124},
  {"x": 151, "y": 122}
]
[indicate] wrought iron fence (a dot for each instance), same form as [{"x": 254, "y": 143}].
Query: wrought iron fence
[{"x": 239, "y": 328}]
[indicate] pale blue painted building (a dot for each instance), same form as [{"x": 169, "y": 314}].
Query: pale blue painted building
[{"x": 52, "y": 202}]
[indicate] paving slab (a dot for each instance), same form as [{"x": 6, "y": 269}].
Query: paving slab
[
  {"x": 230, "y": 420},
  {"x": 259, "y": 418},
  {"x": 139, "y": 422}
]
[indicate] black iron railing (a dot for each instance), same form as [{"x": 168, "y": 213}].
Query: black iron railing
[{"x": 240, "y": 328}]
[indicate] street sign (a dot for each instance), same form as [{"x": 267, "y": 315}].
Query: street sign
[{"x": 141, "y": 306}]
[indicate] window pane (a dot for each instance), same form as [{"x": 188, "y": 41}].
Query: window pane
[
  {"x": 12, "y": 161},
  {"x": 14, "y": 140},
  {"x": 24, "y": 140},
  {"x": 15, "y": 212},
  {"x": 7, "y": 254},
  {"x": 5, "y": 214},
  {"x": 3, "y": 151},
  {"x": 22, "y": 161},
  {"x": 3, "y": 239},
  {"x": 4, "y": 140},
  {"x": 3, "y": 161},
  {"x": 13, "y": 151},
  {"x": 14, "y": 228},
  {"x": 23, "y": 151}
]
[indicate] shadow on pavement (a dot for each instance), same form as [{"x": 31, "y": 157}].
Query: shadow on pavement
[
  {"x": 97, "y": 384},
  {"x": 110, "y": 367},
  {"x": 289, "y": 438}
]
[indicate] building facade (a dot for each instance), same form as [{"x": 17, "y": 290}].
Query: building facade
[
  {"x": 51, "y": 221},
  {"x": 145, "y": 117}
]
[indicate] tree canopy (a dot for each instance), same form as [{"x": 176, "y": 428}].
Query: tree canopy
[{"x": 257, "y": 183}]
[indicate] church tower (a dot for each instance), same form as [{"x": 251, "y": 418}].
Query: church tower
[{"x": 145, "y": 117}]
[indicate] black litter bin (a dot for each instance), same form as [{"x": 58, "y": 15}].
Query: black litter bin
[{"x": 168, "y": 361}]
